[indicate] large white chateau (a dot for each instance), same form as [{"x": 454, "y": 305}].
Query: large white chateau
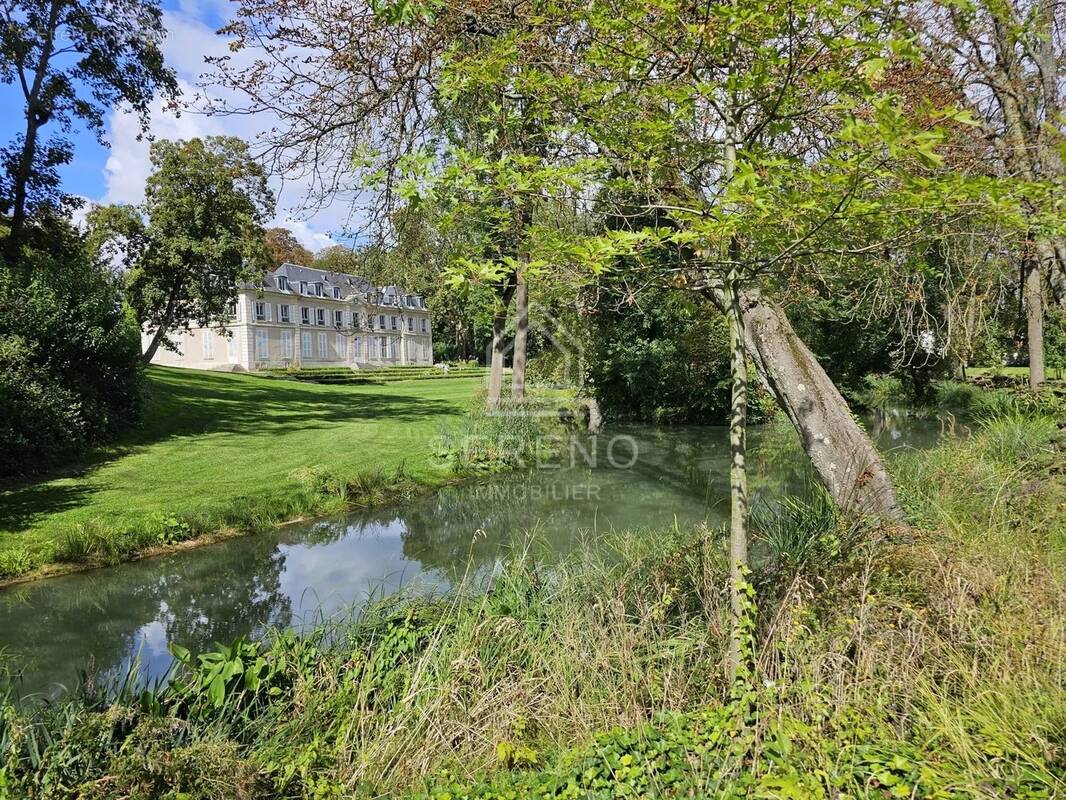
[{"x": 300, "y": 316}]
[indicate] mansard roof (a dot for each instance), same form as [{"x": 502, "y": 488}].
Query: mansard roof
[{"x": 349, "y": 285}]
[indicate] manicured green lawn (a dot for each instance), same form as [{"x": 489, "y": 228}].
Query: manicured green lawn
[
  {"x": 215, "y": 446},
  {"x": 1014, "y": 372}
]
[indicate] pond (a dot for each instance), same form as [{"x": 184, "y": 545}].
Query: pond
[{"x": 631, "y": 478}]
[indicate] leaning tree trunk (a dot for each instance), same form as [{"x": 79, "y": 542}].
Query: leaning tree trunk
[
  {"x": 1034, "y": 319},
  {"x": 153, "y": 346},
  {"x": 518, "y": 366},
  {"x": 842, "y": 454}
]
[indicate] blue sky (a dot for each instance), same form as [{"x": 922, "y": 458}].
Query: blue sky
[{"x": 117, "y": 173}]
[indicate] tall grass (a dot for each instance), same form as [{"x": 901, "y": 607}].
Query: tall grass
[{"x": 928, "y": 669}]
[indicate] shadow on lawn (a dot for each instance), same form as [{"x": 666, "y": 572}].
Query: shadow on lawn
[
  {"x": 189, "y": 403},
  {"x": 186, "y": 403},
  {"x": 23, "y": 506}
]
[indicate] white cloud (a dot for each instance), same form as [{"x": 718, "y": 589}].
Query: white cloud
[
  {"x": 127, "y": 165},
  {"x": 80, "y": 214},
  {"x": 305, "y": 235},
  {"x": 189, "y": 40}
]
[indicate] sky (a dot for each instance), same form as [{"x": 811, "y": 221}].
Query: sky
[{"x": 116, "y": 174}]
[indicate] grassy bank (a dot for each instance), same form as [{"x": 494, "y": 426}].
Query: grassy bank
[
  {"x": 929, "y": 668},
  {"x": 226, "y": 452}
]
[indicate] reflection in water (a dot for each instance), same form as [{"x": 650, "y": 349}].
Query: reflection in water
[{"x": 299, "y": 573}]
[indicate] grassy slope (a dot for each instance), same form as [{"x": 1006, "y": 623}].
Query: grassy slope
[{"x": 212, "y": 442}]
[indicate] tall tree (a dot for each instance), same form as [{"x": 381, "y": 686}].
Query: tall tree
[
  {"x": 284, "y": 248},
  {"x": 1010, "y": 57},
  {"x": 755, "y": 152},
  {"x": 392, "y": 83},
  {"x": 73, "y": 60},
  {"x": 196, "y": 238}
]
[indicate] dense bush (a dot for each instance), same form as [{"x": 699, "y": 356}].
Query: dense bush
[
  {"x": 70, "y": 374},
  {"x": 666, "y": 361}
]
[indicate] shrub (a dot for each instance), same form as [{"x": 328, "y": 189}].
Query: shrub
[
  {"x": 70, "y": 373},
  {"x": 319, "y": 480},
  {"x": 804, "y": 532},
  {"x": 667, "y": 362},
  {"x": 1013, "y": 438},
  {"x": 882, "y": 392},
  {"x": 964, "y": 398}
]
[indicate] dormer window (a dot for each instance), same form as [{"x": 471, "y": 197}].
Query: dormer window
[
  {"x": 283, "y": 283},
  {"x": 336, "y": 293},
  {"x": 303, "y": 287}
]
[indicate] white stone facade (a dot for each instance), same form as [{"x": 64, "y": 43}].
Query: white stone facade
[{"x": 302, "y": 317}]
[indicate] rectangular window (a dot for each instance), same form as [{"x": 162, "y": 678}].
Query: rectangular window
[
  {"x": 262, "y": 346},
  {"x": 411, "y": 324},
  {"x": 338, "y": 318},
  {"x": 208, "y": 345},
  {"x": 283, "y": 313},
  {"x": 425, "y": 325},
  {"x": 286, "y": 344},
  {"x": 321, "y": 345},
  {"x": 260, "y": 311},
  {"x": 393, "y": 321},
  {"x": 305, "y": 315},
  {"x": 383, "y": 347},
  {"x": 231, "y": 309},
  {"x": 356, "y": 352},
  {"x": 305, "y": 345},
  {"x": 381, "y": 321},
  {"x": 320, "y": 316},
  {"x": 338, "y": 346}
]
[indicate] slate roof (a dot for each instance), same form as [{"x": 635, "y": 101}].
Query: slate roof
[{"x": 351, "y": 286}]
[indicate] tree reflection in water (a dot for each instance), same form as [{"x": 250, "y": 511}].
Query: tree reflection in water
[
  {"x": 116, "y": 614},
  {"x": 299, "y": 573}
]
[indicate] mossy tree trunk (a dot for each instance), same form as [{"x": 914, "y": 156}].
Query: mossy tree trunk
[
  {"x": 846, "y": 461},
  {"x": 738, "y": 476},
  {"x": 1033, "y": 292}
]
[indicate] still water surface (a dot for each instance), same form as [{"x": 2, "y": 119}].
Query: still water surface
[{"x": 294, "y": 576}]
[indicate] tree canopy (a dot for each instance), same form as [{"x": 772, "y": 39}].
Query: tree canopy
[
  {"x": 73, "y": 60},
  {"x": 196, "y": 238}
]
